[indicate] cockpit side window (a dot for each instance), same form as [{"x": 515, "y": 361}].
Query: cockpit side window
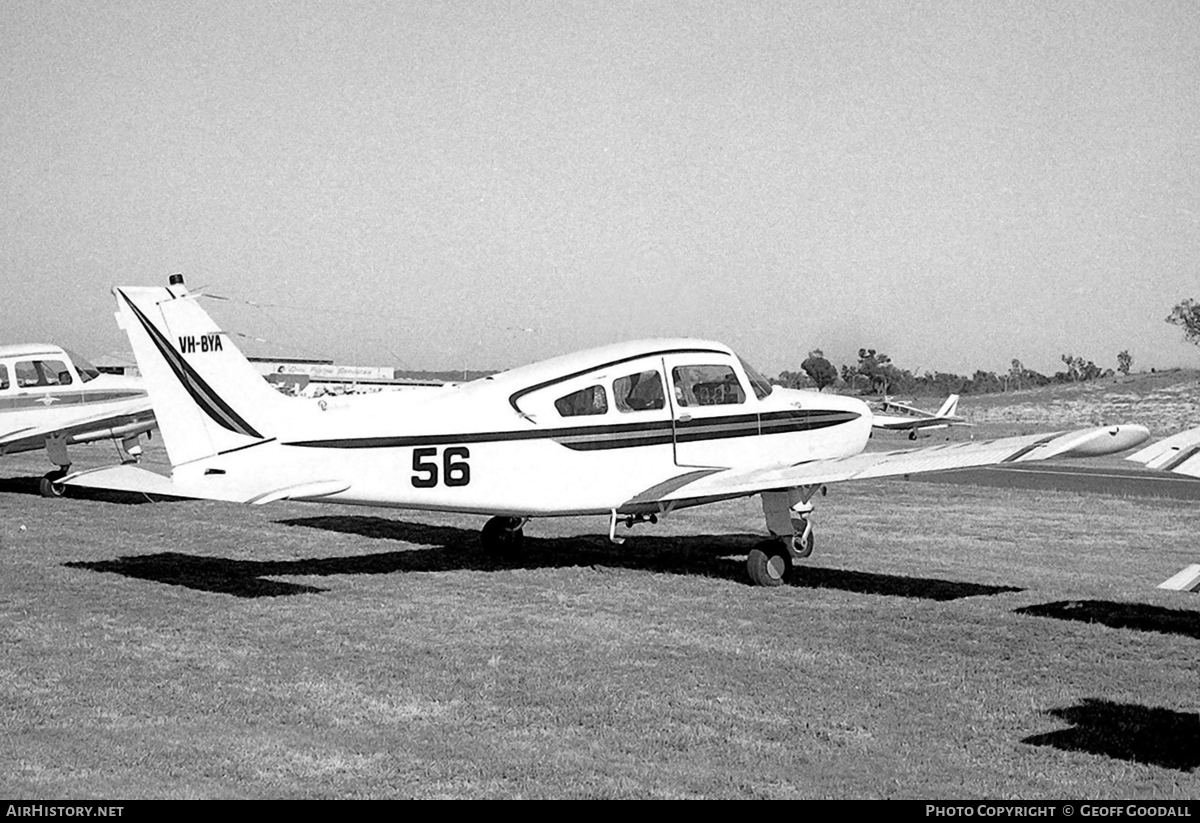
[
  {"x": 3, "y": 377},
  {"x": 591, "y": 400},
  {"x": 33, "y": 373},
  {"x": 707, "y": 386},
  {"x": 639, "y": 392}
]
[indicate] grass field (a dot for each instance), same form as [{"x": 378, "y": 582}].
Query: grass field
[{"x": 944, "y": 641}]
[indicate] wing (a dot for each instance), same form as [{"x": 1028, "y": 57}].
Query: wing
[
  {"x": 892, "y": 405},
  {"x": 1179, "y": 454},
  {"x": 703, "y": 486},
  {"x": 86, "y": 428}
]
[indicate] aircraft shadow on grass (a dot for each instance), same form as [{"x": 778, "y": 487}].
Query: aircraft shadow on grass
[
  {"x": 445, "y": 548},
  {"x": 1126, "y": 731},
  {"x": 29, "y": 486},
  {"x": 1137, "y": 616}
]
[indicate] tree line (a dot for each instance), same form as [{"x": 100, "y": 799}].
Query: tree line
[{"x": 876, "y": 373}]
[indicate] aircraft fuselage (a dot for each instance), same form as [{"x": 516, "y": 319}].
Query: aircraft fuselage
[{"x": 582, "y": 434}]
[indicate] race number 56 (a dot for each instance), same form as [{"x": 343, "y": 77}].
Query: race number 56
[{"x": 453, "y": 469}]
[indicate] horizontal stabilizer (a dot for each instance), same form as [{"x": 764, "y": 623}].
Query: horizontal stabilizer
[
  {"x": 123, "y": 478},
  {"x": 128, "y": 478}
]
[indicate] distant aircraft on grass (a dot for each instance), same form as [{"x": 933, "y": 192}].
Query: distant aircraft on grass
[
  {"x": 912, "y": 419},
  {"x": 51, "y": 398},
  {"x": 632, "y": 431}
]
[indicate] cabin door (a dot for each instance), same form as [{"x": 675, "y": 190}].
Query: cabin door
[{"x": 715, "y": 420}]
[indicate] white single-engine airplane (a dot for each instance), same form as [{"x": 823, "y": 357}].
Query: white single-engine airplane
[
  {"x": 912, "y": 419},
  {"x": 51, "y": 398},
  {"x": 632, "y": 431}
]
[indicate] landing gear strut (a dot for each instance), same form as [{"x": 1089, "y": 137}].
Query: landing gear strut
[
  {"x": 787, "y": 514},
  {"x": 503, "y": 536},
  {"x": 56, "y": 450}
]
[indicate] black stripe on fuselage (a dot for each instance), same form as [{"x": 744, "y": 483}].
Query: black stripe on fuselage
[
  {"x": 201, "y": 393},
  {"x": 59, "y": 398},
  {"x": 620, "y": 436}
]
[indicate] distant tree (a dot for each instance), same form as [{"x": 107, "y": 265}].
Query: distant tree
[
  {"x": 820, "y": 370},
  {"x": 793, "y": 380},
  {"x": 1187, "y": 316},
  {"x": 984, "y": 382},
  {"x": 1016, "y": 375},
  {"x": 878, "y": 369},
  {"x": 940, "y": 383},
  {"x": 1037, "y": 378},
  {"x": 1078, "y": 370},
  {"x": 1124, "y": 362},
  {"x": 1071, "y": 375},
  {"x": 849, "y": 375}
]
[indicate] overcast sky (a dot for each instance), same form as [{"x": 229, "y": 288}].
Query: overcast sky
[{"x": 956, "y": 184}]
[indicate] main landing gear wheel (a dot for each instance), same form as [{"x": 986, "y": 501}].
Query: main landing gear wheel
[
  {"x": 49, "y": 485},
  {"x": 503, "y": 535},
  {"x": 769, "y": 563}
]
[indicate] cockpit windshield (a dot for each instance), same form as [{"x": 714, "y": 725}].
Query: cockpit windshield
[
  {"x": 86, "y": 370},
  {"x": 762, "y": 387}
]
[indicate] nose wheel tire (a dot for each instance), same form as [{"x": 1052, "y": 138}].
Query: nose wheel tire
[
  {"x": 49, "y": 485},
  {"x": 769, "y": 563},
  {"x": 802, "y": 544}
]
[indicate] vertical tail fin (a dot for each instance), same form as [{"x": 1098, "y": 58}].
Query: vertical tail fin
[
  {"x": 207, "y": 397},
  {"x": 948, "y": 408}
]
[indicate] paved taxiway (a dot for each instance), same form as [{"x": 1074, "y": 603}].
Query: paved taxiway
[{"x": 1065, "y": 477}]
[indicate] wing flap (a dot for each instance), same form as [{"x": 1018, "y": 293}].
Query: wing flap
[{"x": 1179, "y": 453}]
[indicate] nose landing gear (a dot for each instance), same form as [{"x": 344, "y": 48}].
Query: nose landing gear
[
  {"x": 49, "y": 486},
  {"x": 787, "y": 513}
]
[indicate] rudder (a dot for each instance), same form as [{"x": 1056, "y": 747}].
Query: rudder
[{"x": 207, "y": 397}]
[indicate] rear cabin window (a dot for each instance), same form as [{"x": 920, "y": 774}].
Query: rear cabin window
[
  {"x": 591, "y": 400},
  {"x": 3, "y": 378},
  {"x": 33, "y": 373},
  {"x": 639, "y": 392},
  {"x": 707, "y": 386}
]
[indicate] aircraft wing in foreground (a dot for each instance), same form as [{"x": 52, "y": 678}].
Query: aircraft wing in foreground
[
  {"x": 51, "y": 398},
  {"x": 631, "y": 431},
  {"x": 1179, "y": 453}
]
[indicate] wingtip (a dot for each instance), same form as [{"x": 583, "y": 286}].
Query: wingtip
[{"x": 1100, "y": 441}]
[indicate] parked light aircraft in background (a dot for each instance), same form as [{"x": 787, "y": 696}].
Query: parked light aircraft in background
[
  {"x": 51, "y": 398},
  {"x": 632, "y": 431},
  {"x": 1179, "y": 453},
  {"x": 912, "y": 420}
]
